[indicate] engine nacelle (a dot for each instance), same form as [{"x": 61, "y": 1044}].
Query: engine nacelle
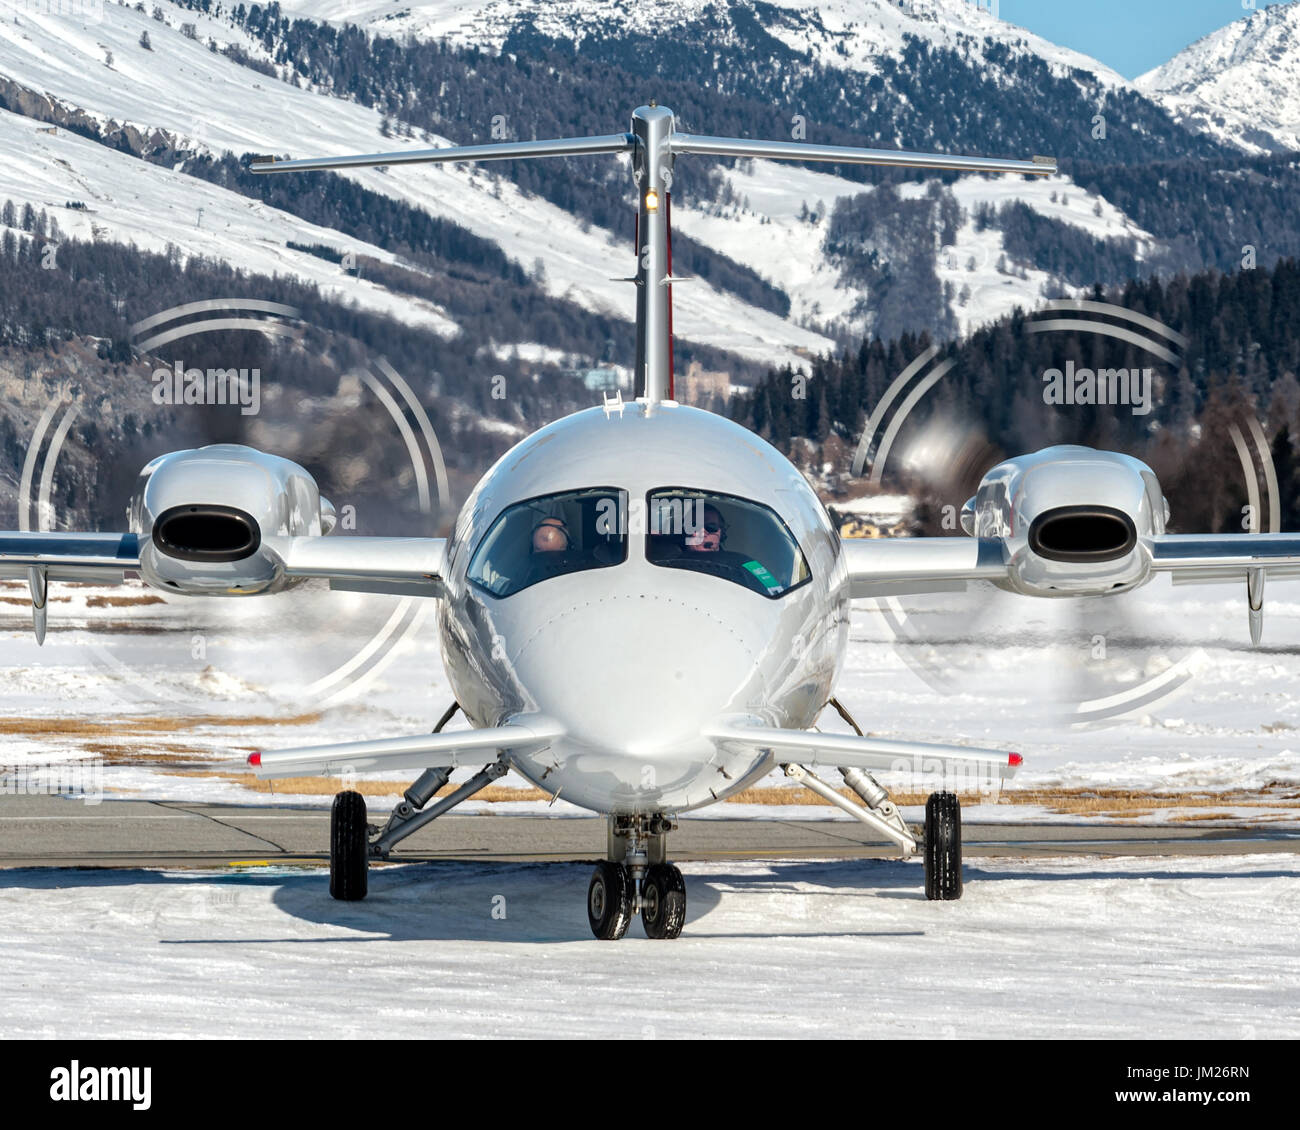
[
  {"x": 202, "y": 515},
  {"x": 1072, "y": 518}
]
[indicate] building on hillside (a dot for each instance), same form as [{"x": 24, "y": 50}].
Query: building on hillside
[{"x": 700, "y": 386}]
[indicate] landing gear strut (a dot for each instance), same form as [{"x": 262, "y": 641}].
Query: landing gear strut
[{"x": 637, "y": 878}]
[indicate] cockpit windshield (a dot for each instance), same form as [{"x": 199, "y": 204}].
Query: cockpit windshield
[
  {"x": 550, "y": 536},
  {"x": 725, "y": 536}
]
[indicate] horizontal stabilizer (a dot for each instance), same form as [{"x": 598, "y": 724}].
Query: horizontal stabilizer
[
  {"x": 494, "y": 151},
  {"x": 856, "y": 155},
  {"x": 678, "y": 143},
  {"x": 810, "y": 747},
  {"x": 421, "y": 751}
]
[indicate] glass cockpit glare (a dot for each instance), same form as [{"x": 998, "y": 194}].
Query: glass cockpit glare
[
  {"x": 551, "y": 536},
  {"x": 724, "y": 536}
]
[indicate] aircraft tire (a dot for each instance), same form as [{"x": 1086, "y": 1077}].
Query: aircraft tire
[
  {"x": 349, "y": 847},
  {"x": 609, "y": 901},
  {"x": 943, "y": 880},
  {"x": 663, "y": 901}
]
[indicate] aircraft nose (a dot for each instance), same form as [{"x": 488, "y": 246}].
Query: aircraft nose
[{"x": 639, "y": 673}]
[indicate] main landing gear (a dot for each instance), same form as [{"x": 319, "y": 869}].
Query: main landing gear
[
  {"x": 349, "y": 847},
  {"x": 942, "y": 841},
  {"x": 943, "y": 847},
  {"x": 636, "y": 878},
  {"x": 353, "y": 842}
]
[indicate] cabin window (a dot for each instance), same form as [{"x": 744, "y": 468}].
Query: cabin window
[
  {"x": 551, "y": 536},
  {"x": 724, "y": 536}
]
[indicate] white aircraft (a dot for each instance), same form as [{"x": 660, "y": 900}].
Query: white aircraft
[{"x": 643, "y": 607}]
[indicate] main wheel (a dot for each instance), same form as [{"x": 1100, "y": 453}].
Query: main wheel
[
  {"x": 943, "y": 847},
  {"x": 609, "y": 900},
  {"x": 663, "y": 901},
  {"x": 349, "y": 847}
]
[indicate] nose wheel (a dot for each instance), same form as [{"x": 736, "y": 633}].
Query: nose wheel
[
  {"x": 609, "y": 900},
  {"x": 611, "y": 905},
  {"x": 636, "y": 878},
  {"x": 663, "y": 901}
]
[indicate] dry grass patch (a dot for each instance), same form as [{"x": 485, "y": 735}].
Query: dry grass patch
[
  {"x": 123, "y": 601},
  {"x": 143, "y": 724}
]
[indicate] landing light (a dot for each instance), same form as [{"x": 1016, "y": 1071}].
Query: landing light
[{"x": 652, "y": 201}]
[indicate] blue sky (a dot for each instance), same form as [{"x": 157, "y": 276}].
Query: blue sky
[{"x": 1132, "y": 36}]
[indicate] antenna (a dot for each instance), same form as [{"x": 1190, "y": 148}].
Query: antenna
[{"x": 655, "y": 144}]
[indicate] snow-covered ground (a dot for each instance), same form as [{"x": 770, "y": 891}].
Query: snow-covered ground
[{"x": 1146, "y": 948}]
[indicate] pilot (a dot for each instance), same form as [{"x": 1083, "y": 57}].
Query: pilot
[
  {"x": 551, "y": 535},
  {"x": 706, "y": 548},
  {"x": 709, "y": 534},
  {"x": 551, "y": 550}
]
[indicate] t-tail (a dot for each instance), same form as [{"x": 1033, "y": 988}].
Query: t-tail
[{"x": 655, "y": 143}]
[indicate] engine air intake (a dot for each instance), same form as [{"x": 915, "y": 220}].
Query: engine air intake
[
  {"x": 1082, "y": 533},
  {"x": 206, "y": 533}
]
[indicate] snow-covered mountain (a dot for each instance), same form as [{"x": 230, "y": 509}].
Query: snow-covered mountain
[
  {"x": 837, "y": 33},
  {"x": 1240, "y": 83},
  {"x": 209, "y": 102},
  {"x": 210, "y": 84}
]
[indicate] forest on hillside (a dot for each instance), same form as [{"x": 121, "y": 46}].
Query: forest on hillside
[{"x": 1240, "y": 361}]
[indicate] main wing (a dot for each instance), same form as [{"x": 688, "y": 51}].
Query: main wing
[
  {"x": 903, "y": 566},
  {"x": 1216, "y": 557},
  {"x": 398, "y": 566},
  {"x": 900, "y": 566}
]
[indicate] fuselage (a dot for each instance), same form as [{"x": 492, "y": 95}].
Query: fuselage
[{"x": 637, "y": 646}]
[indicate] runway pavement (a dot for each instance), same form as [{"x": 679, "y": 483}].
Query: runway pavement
[{"x": 44, "y": 831}]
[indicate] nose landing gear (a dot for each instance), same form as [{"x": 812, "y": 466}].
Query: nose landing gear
[
  {"x": 637, "y": 878},
  {"x": 663, "y": 901}
]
